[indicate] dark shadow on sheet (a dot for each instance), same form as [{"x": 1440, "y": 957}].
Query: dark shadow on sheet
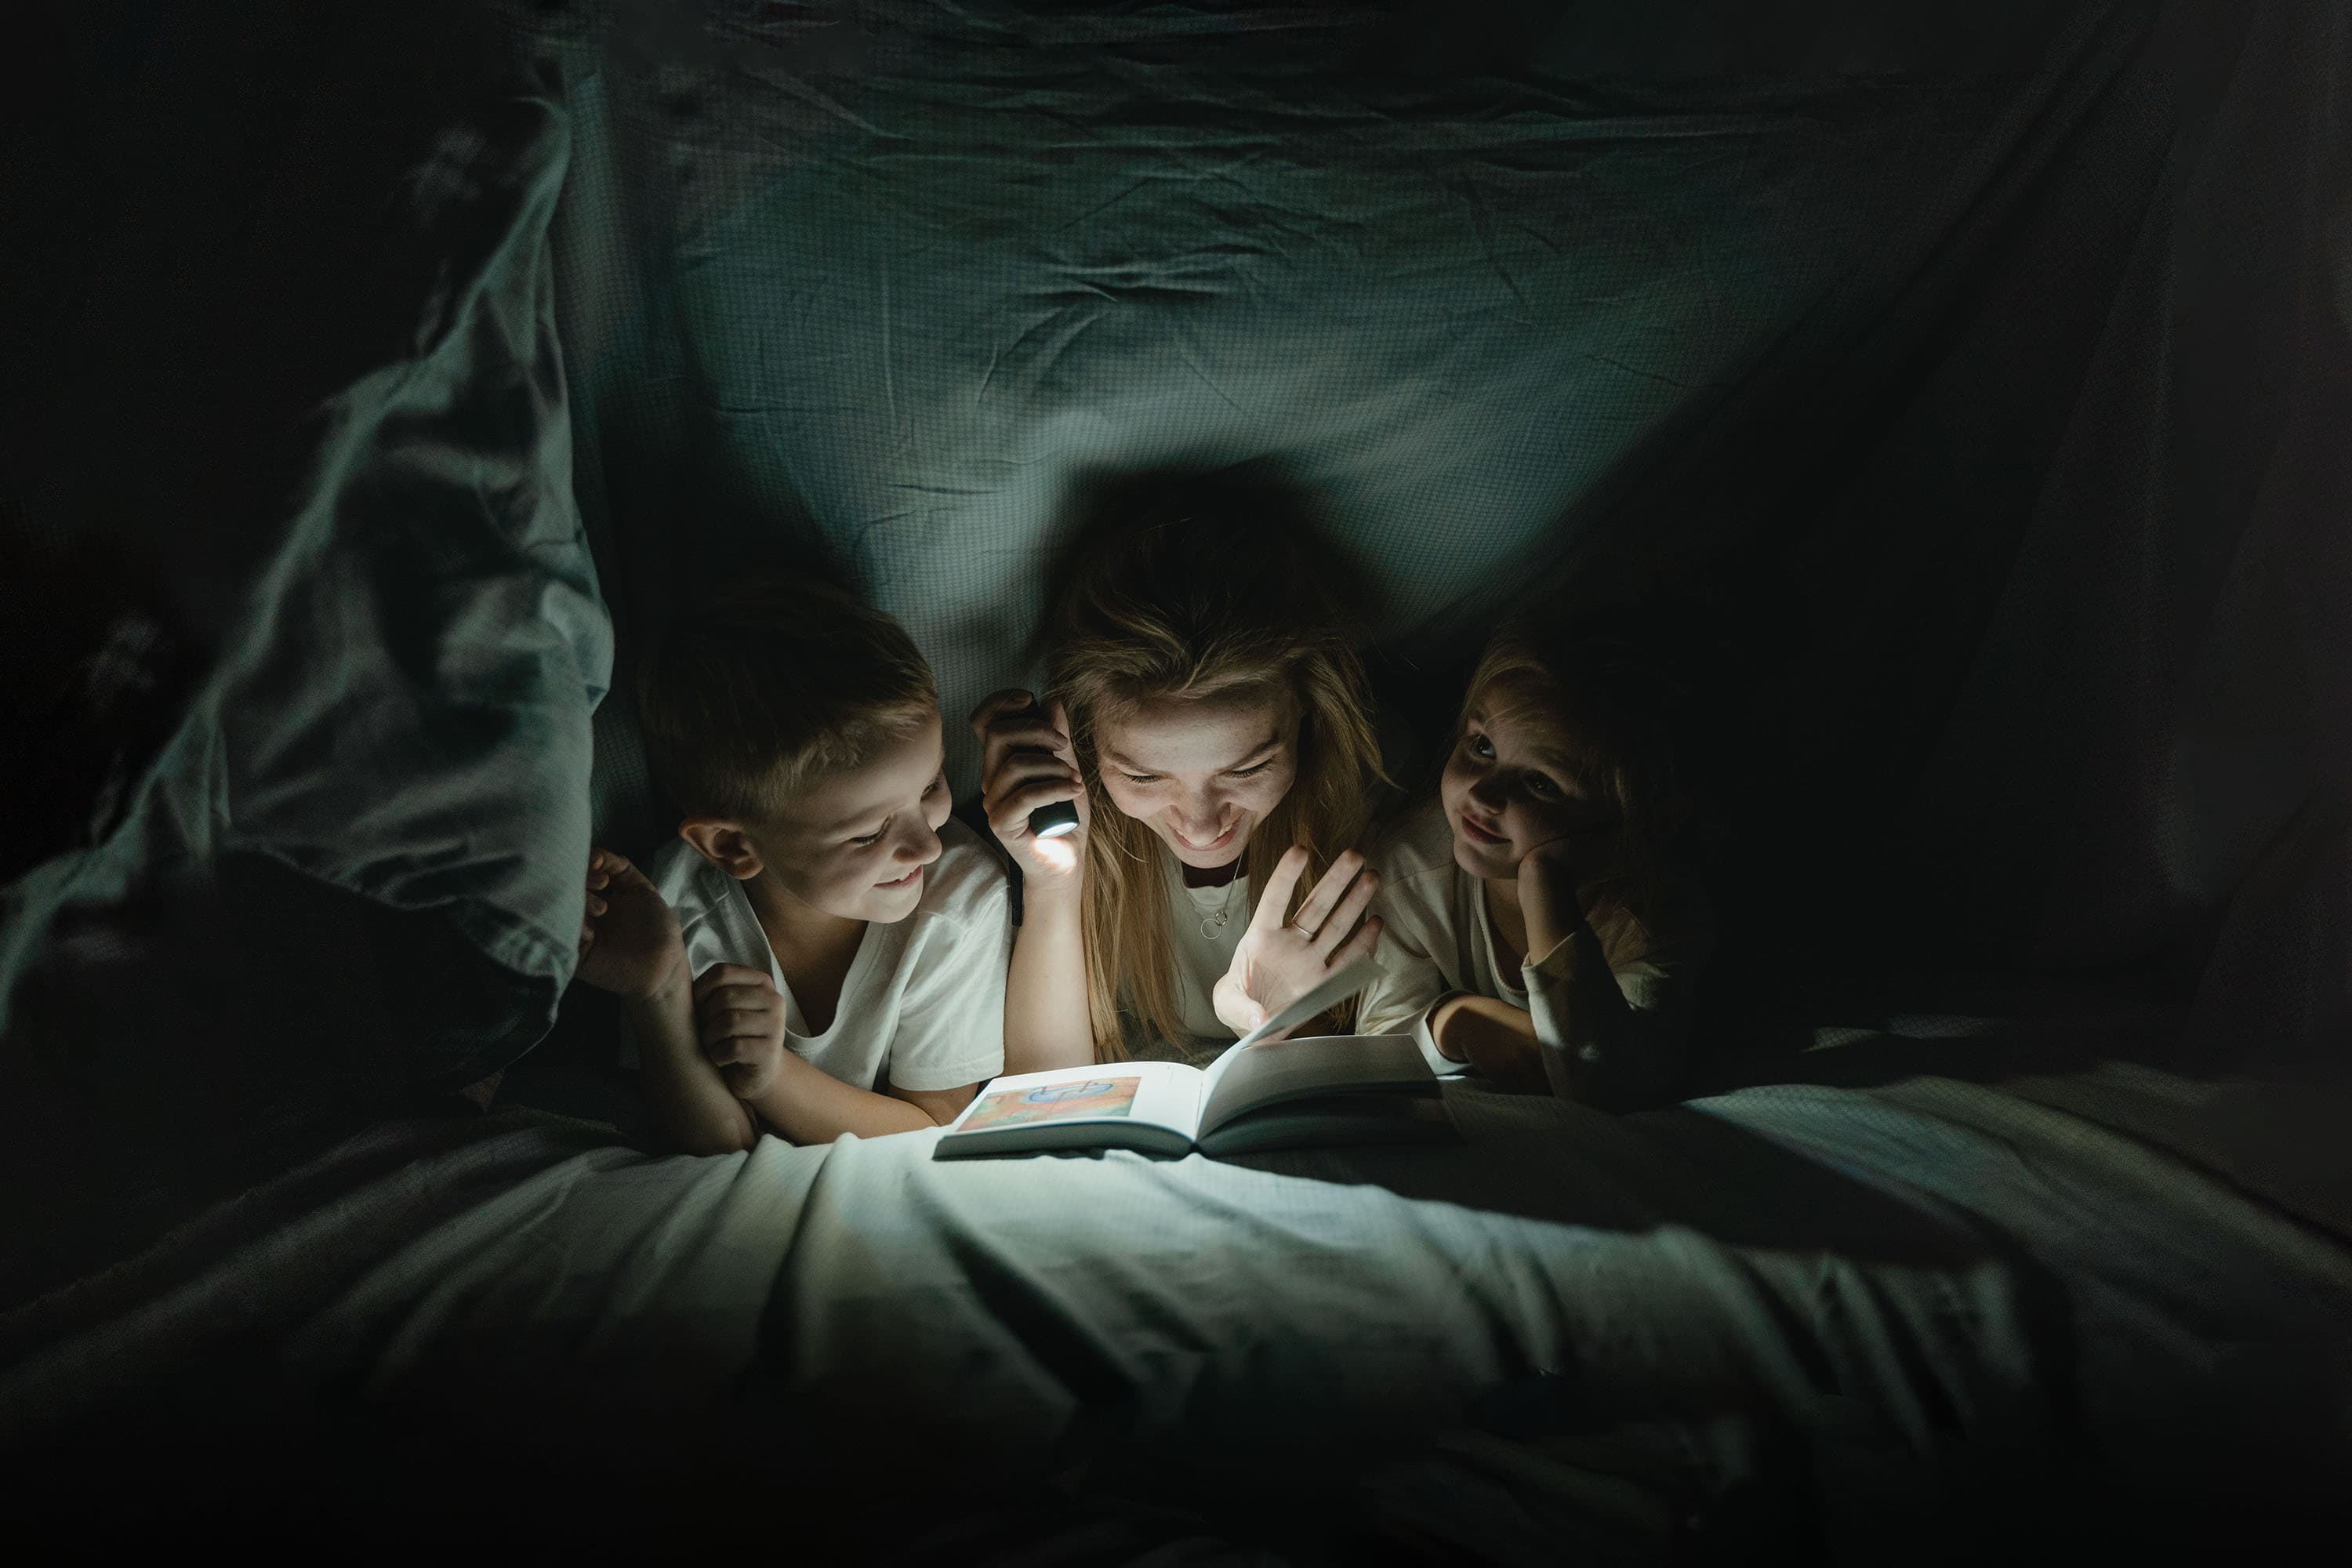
[{"x": 167, "y": 1053}]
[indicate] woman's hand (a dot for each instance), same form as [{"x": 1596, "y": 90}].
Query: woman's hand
[
  {"x": 738, "y": 1016},
  {"x": 1280, "y": 960},
  {"x": 629, "y": 940},
  {"x": 1027, "y": 761}
]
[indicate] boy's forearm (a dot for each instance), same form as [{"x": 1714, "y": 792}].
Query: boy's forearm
[
  {"x": 693, "y": 1110},
  {"x": 807, "y": 1105},
  {"x": 1045, "y": 1021}
]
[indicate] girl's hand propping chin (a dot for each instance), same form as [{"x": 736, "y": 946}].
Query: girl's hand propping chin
[
  {"x": 1280, "y": 960},
  {"x": 1027, "y": 761},
  {"x": 1584, "y": 856}
]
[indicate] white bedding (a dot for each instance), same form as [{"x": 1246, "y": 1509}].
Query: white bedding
[{"x": 1862, "y": 1287}]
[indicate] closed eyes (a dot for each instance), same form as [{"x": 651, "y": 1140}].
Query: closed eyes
[{"x": 1248, "y": 773}]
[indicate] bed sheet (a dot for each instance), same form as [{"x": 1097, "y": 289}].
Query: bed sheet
[{"x": 1924, "y": 1300}]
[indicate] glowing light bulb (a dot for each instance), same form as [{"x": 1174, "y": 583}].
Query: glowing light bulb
[{"x": 1052, "y": 821}]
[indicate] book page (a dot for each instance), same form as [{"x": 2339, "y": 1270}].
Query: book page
[
  {"x": 1248, "y": 1077},
  {"x": 1164, "y": 1094}
]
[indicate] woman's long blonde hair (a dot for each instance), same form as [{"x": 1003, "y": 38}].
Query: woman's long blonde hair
[{"x": 1195, "y": 607}]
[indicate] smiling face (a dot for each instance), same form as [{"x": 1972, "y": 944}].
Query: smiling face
[
  {"x": 854, "y": 844},
  {"x": 1202, "y": 772},
  {"x": 1519, "y": 776}
]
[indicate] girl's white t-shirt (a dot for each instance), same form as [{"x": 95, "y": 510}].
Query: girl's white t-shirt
[
  {"x": 1437, "y": 938},
  {"x": 923, "y": 1004}
]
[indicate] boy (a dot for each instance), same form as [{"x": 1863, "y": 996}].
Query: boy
[{"x": 824, "y": 952}]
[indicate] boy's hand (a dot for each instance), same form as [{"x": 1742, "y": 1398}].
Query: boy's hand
[
  {"x": 739, "y": 1017},
  {"x": 1027, "y": 761},
  {"x": 629, "y": 942},
  {"x": 1280, "y": 960}
]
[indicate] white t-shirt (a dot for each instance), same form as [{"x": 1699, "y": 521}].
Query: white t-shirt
[
  {"x": 923, "y": 1004},
  {"x": 1203, "y": 948},
  {"x": 1437, "y": 937}
]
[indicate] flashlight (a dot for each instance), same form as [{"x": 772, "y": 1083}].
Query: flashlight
[{"x": 1052, "y": 821}]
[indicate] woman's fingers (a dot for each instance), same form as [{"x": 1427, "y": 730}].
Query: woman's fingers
[
  {"x": 1352, "y": 910},
  {"x": 1009, "y": 740},
  {"x": 1007, "y": 721},
  {"x": 1366, "y": 940},
  {"x": 1317, "y": 911},
  {"x": 1023, "y": 772},
  {"x": 596, "y": 907},
  {"x": 1010, "y": 816},
  {"x": 1273, "y": 904},
  {"x": 996, "y": 710},
  {"x": 1005, "y": 700}
]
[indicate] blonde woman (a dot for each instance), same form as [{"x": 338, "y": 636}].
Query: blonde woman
[{"x": 1205, "y": 711}]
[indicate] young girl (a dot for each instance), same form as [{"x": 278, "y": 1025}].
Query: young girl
[
  {"x": 1538, "y": 924},
  {"x": 1207, "y": 714}
]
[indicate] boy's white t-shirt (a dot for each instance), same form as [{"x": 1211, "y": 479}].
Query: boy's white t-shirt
[
  {"x": 923, "y": 1004},
  {"x": 1437, "y": 937}
]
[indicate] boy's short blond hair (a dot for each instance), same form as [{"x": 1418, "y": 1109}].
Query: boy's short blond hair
[{"x": 758, "y": 692}]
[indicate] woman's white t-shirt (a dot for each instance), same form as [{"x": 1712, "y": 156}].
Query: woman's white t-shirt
[
  {"x": 1207, "y": 924},
  {"x": 923, "y": 1004}
]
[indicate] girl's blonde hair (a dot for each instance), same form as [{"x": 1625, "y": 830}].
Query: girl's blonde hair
[
  {"x": 1196, "y": 607},
  {"x": 1605, "y": 695}
]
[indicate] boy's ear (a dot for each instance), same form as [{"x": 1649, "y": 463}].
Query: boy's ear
[{"x": 724, "y": 844}]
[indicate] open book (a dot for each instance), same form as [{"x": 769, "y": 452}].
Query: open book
[{"x": 1261, "y": 1094}]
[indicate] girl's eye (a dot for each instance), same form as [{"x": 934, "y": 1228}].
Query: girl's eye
[
  {"x": 872, "y": 838},
  {"x": 1540, "y": 784},
  {"x": 1142, "y": 778},
  {"x": 1252, "y": 772},
  {"x": 933, "y": 788},
  {"x": 1477, "y": 744}
]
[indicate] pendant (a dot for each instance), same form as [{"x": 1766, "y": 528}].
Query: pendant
[{"x": 1210, "y": 925}]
